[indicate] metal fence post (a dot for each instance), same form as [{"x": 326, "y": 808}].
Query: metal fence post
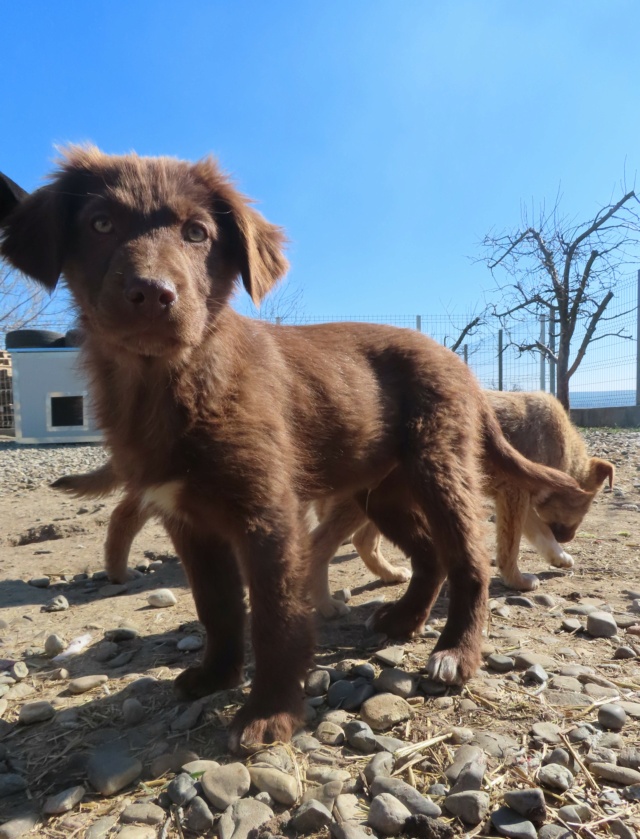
[
  {"x": 465, "y": 351},
  {"x": 278, "y": 321},
  {"x": 543, "y": 320},
  {"x": 500, "y": 348},
  {"x": 552, "y": 347},
  {"x": 419, "y": 323}
]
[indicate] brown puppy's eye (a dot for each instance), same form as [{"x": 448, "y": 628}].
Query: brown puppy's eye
[
  {"x": 195, "y": 232},
  {"x": 102, "y": 224}
]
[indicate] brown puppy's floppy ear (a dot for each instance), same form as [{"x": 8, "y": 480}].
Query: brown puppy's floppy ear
[
  {"x": 599, "y": 471},
  {"x": 255, "y": 246},
  {"x": 34, "y": 232}
]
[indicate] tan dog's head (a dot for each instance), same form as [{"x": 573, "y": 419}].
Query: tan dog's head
[
  {"x": 564, "y": 512},
  {"x": 149, "y": 247}
]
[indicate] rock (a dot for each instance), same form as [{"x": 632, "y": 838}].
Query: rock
[
  {"x": 171, "y": 762},
  {"x": 281, "y": 787},
  {"x": 18, "y": 826},
  {"x": 362, "y": 690},
  {"x": 182, "y": 789},
  {"x": 189, "y": 717},
  {"x": 390, "y": 656},
  {"x": 330, "y": 734},
  {"x": 53, "y": 645},
  {"x": 406, "y": 794},
  {"x": 555, "y": 777},
  {"x": 143, "y": 812},
  {"x": 630, "y": 757},
  {"x": 10, "y": 783},
  {"x": 122, "y": 633},
  {"x": 500, "y": 663},
  {"x": 339, "y": 692},
  {"x": 310, "y": 817},
  {"x": 464, "y": 755},
  {"x": 33, "y": 712},
  {"x": 325, "y": 794},
  {"x": 509, "y": 823},
  {"x": 386, "y": 743},
  {"x": 575, "y": 814},
  {"x": 242, "y": 817},
  {"x": 57, "y": 604},
  {"x": 612, "y": 716},
  {"x": 561, "y": 757},
  {"x": 190, "y": 643},
  {"x": 571, "y": 625},
  {"x": 198, "y": 817},
  {"x": 324, "y": 774},
  {"x": 536, "y": 674},
  {"x": 471, "y": 807},
  {"x": 40, "y": 582},
  {"x": 398, "y": 682},
  {"x": 631, "y": 708},
  {"x": 554, "y": 831},
  {"x": 494, "y": 744},
  {"x": 348, "y": 830},
  {"x": 525, "y": 659},
  {"x": 317, "y": 682},
  {"x": 135, "y": 831},
  {"x": 360, "y": 736},
  {"x": 380, "y": 765},
  {"x": 567, "y": 699},
  {"x": 199, "y": 767},
  {"x": 365, "y": 670},
  {"x": 305, "y": 743},
  {"x": 224, "y": 785},
  {"x": 387, "y": 815},
  {"x": 621, "y": 830},
  {"x": 519, "y": 600},
  {"x": 132, "y": 711},
  {"x": 86, "y": 683},
  {"x": 112, "y": 590},
  {"x": 162, "y": 598},
  {"x": 616, "y": 774},
  {"x": 63, "y": 801},
  {"x": 565, "y": 683},
  {"x": 624, "y": 652},
  {"x": 470, "y": 776},
  {"x": 528, "y": 802},
  {"x": 110, "y": 770},
  {"x": 546, "y": 732},
  {"x": 601, "y": 625},
  {"x": 385, "y": 710}
]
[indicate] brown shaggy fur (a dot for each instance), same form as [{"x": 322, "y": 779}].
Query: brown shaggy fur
[{"x": 228, "y": 427}]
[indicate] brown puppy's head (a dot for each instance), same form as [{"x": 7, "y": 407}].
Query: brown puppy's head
[
  {"x": 149, "y": 247},
  {"x": 563, "y": 512}
]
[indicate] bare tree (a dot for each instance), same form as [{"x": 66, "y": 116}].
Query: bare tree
[
  {"x": 568, "y": 270},
  {"x": 23, "y": 303}
]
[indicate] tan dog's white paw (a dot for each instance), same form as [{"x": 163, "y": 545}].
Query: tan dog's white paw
[
  {"x": 332, "y": 608},
  {"x": 396, "y": 574},
  {"x": 562, "y": 560}
]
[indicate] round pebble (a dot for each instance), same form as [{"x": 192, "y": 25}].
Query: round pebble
[
  {"x": 33, "y": 712},
  {"x": 53, "y": 645},
  {"x": 387, "y": 815},
  {"x": 555, "y": 777},
  {"x": 601, "y": 624},
  {"x": 612, "y": 716},
  {"x": 86, "y": 683},
  {"x": 162, "y": 598}
]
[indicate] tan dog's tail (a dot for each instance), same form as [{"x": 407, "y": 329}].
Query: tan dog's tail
[
  {"x": 503, "y": 461},
  {"x": 96, "y": 484}
]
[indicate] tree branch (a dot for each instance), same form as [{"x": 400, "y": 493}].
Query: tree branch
[{"x": 589, "y": 333}]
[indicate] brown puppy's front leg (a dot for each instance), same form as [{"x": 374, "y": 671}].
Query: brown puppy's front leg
[
  {"x": 216, "y": 586},
  {"x": 282, "y": 638}
]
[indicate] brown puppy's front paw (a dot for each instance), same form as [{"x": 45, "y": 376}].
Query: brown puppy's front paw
[
  {"x": 250, "y": 731},
  {"x": 395, "y": 621},
  {"x": 198, "y": 681},
  {"x": 452, "y": 667}
]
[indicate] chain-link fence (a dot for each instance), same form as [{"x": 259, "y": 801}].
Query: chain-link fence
[{"x": 607, "y": 376}]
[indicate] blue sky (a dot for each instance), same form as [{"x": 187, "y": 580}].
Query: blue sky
[{"x": 386, "y": 136}]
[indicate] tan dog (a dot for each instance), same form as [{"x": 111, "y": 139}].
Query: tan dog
[
  {"x": 228, "y": 428},
  {"x": 537, "y": 425}
]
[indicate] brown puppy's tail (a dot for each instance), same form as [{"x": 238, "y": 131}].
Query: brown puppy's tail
[
  {"x": 503, "y": 461},
  {"x": 102, "y": 481}
]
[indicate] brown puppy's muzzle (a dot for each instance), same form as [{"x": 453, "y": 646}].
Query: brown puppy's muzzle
[{"x": 150, "y": 299}]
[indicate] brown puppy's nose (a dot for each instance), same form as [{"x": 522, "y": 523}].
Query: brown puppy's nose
[{"x": 150, "y": 296}]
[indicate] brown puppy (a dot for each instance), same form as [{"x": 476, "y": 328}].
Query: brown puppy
[
  {"x": 538, "y": 426},
  {"x": 228, "y": 428}
]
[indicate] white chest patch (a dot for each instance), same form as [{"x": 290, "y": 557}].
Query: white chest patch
[{"x": 164, "y": 496}]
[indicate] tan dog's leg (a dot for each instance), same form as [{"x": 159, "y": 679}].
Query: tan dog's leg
[
  {"x": 338, "y": 520},
  {"x": 542, "y": 539},
  {"x": 126, "y": 521},
  {"x": 367, "y": 540},
  {"x": 512, "y": 506}
]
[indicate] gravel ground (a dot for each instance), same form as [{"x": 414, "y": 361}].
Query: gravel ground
[{"x": 542, "y": 743}]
